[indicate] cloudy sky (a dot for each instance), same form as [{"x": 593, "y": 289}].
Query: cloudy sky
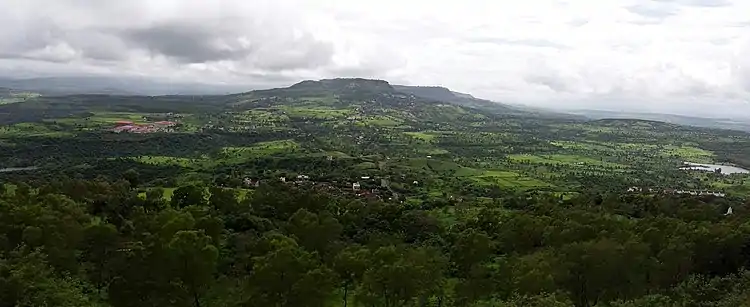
[{"x": 651, "y": 55}]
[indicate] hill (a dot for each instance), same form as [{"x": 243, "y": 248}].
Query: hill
[{"x": 443, "y": 94}]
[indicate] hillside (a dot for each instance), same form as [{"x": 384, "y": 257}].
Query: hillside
[{"x": 445, "y": 95}]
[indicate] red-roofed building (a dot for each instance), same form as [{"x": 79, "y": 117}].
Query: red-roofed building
[
  {"x": 125, "y": 128},
  {"x": 165, "y": 123}
]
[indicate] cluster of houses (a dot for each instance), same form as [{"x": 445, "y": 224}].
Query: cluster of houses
[
  {"x": 131, "y": 127},
  {"x": 680, "y": 192},
  {"x": 385, "y": 192}
]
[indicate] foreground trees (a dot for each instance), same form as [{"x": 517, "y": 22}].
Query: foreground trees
[{"x": 97, "y": 243}]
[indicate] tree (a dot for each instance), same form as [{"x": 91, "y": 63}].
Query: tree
[
  {"x": 223, "y": 200},
  {"x": 471, "y": 247},
  {"x": 286, "y": 275},
  {"x": 313, "y": 232},
  {"x": 27, "y": 280},
  {"x": 100, "y": 242},
  {"x": 350, "y": 264},
  {"x": 194, "y": 262},
  {"x": 398, "y": 276},
  {"x": 187, "y": 196},
  {"x": 132, "y": 177}
]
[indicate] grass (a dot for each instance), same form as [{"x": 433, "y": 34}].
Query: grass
[
  {"x": 239, "y": 154},
  {"x": 423, "y": 136},
  {"x": 34, "y": 130},
  {"x": 17, "y": 97},
  {"x": 260, "y": 117},
  {"x": 689, "y": 153},
  {"x": 316, "y": 113},
  {"x": 382, "y": 121},
  {"x": 165, "y": 160},
  {"x": 569, "y": 160},
  {"x": 509, "y": 179},
  {"x": 112, "y": 117},
  {"x": 10, "y": 189}
]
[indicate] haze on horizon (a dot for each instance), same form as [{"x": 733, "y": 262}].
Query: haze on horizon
[{"x": 672, "y": 56}]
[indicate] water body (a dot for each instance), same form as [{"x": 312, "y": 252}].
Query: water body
[
  {"x": 18, "y": 169},
  {"x": 725, "y": 169}
]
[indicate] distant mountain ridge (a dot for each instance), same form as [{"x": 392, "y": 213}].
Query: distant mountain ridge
[{"x": 667, "y": 118}]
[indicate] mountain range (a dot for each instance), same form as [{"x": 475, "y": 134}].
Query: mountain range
[{"x": 144, "y": 86}]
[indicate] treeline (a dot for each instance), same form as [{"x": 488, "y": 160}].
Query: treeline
[
  {"x": 89, "y": 147},
  {"x": 97, "y": 243}
]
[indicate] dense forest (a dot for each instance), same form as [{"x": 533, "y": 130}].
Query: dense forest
[{"x": 97, "y": 243}]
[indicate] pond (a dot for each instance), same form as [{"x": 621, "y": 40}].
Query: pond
[
  {"x": 17, "y": 169},
  {"x": 725, "y": 169}
]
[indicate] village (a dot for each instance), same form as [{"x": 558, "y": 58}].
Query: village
[
  {"x": 678, "y": 192},
  {"x": 131, "y": 127},
  {"x": 367, "y": 187}
]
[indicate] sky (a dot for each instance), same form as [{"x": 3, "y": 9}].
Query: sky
[{"x": 677, "y": 56}]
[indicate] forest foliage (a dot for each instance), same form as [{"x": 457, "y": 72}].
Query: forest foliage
[{"x": 98, "y": 243}]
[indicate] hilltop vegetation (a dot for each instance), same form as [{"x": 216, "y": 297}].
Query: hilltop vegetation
[{"x": 354, "y": 192}]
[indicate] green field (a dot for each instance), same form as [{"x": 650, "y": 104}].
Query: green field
[
  {"x": 423, "y": 136},
  {"x": 316, "y": 113},
  {"x": 259, "y": 150},
  {"x": 569, "y": 160},
  {"x": 508, "y": 179},
  {"x": 166, "y": 160},
  {"x": 34, "y": 130},
  {"x": 382, "y": 121},
  {"x": 689, "y": 153}
]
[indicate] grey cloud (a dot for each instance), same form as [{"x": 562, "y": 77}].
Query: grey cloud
[
  {"x": 204, "y": 41},
  {"x": 185, "y": 42}
]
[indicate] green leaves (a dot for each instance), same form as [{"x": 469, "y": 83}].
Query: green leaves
[
  {"x": 287, "y": 275},
  {"x": 397, "y": 276}
]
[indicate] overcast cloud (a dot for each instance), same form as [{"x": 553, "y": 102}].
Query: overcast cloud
[{"x": 655, "y": 55}]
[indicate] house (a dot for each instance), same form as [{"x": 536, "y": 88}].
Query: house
[
  {"x": 356, "y": 186},
  {"x": 165, "y": 123},
  {"x": 303, "y": 177},
  {"x": 251, "y": 183},
  {"x": 384, "y": 183}
]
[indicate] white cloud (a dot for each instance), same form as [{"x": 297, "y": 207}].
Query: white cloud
[{"x": 660, "y": 55}]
